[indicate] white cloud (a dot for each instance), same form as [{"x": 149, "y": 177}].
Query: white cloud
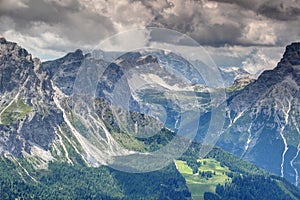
[
  {"x": 36, "y": 45},
  {"x": 13, "y": 4},
  {"x": 259, "y": 32},
  {"x": 230, "y": 29},
  {"x": 259, "y": 60},
  {"x": 126, "y": 41}
]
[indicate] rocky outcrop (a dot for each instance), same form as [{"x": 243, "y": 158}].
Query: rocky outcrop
[{"x": 28, "y": 115}]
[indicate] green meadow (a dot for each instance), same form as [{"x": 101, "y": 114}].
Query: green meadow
[
  {"x": 199, "y": 185},
  {"x": 16, "y": 111}
]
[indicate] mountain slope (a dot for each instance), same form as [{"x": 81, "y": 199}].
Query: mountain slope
[
  {"x": 49, "y": 151},
  {"x": 78, "y": 181},
  {"x": 43, "y": 135},
  {"x": 221, "y": 175},
  {"x": 263, "y": 119},
  {"x": 27, "y": 112}
]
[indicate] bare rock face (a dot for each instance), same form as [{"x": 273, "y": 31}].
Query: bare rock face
[
  {"x": 263, "y": 118},
  {"x": 28, "y": 116},
  {"x": 64, "y": 70}
]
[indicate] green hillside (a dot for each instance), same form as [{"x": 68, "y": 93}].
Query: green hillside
[
  {"x": 64, "y": 181},
  {"x": 13, "y": 112},
  {"x": 201, "y": 182},
  {"x": 219, "y": 175},
  {"x": 223, "y": 176}
]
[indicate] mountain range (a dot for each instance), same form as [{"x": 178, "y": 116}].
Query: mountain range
[{"x": 43, "y": 124}]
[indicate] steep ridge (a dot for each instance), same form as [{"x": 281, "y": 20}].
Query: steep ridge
[
  {"x": 262, "y": 119},
  {"x": 28, "y": 115}
]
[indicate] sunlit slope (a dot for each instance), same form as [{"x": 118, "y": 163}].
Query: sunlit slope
[{"x": 201, "y": 182}]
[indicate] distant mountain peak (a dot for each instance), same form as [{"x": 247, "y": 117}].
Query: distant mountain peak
[
  {"x": 78, "y": 54},
  {"x": 230, "y": 74}
]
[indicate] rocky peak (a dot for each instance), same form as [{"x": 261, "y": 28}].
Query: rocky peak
[
  {"x": 289, "y": 65},
  {"x": 67, "y": 61},
  {"x": 77, "y": 55},
  {"x": 2, "y": 40},
  {"x": 268, "y": 79},
  {"x": 11, "y": 49},
  {"x": 286, "y": 66},
  {"x": 16, "y": 66},
  {"x": 231, "y": 74},
  {"x": 292, "y": 53},
  {"x": 26, "y": 102},
  {"x": 63, "y": 71},
  {"x": 291, "y": 57}
]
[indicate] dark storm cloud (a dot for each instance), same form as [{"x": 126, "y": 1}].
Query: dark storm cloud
[
  {"x": 212, "y": 35},
  {"x": 231, "y": 22},
  {"x": 70, "y": 20},
  {"x": 227, "y": 23},
  {"x": 218, "y": 34},
  {"x": 279, "y": 12},
  {"x": 196, "y": 20},
  {"x": 275, "y": 9},
  {"x": 38, "y": 11},
  {"x": 65, "y": 24}
]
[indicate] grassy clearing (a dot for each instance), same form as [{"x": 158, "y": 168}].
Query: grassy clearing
[
  {"x": 199, "y": 185},
  {"x": 16, "y": 111}
]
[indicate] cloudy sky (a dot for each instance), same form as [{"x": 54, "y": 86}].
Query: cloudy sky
[{"x": 242, "y": 33}]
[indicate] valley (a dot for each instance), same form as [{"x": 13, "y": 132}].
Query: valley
[{"x": 52, "y": 131}]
